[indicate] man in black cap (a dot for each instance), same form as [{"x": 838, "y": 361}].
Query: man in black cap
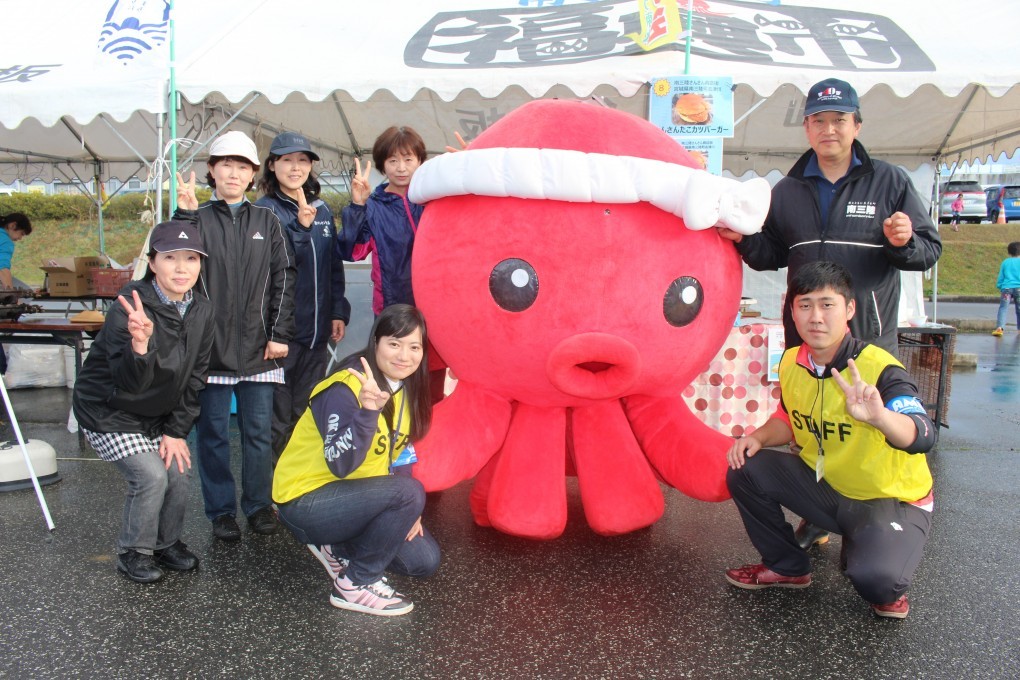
[{"x": 839, "y": 204}]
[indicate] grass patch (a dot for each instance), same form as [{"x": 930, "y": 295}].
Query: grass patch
[
  {"x": 970, "y": 258},
  {"x": 69, "y": 238}
]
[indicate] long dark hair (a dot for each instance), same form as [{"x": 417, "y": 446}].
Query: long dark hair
[
  {"x": 399, "y": 321},
  {"x": 270, "y": 186}
]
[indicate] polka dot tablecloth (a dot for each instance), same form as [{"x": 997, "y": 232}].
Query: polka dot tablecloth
[{"x": 734, "y": 395}]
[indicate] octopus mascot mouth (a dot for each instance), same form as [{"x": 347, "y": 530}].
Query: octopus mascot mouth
[{"x": 571, "y": 277}]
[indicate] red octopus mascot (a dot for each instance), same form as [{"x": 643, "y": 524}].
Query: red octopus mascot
[{"x": 572, "y": 280}]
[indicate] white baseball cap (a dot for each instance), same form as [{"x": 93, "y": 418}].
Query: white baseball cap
[{"x": 235, "y": 143}]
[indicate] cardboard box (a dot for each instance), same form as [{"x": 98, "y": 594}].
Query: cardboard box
[{"x": 70, "y": 276}]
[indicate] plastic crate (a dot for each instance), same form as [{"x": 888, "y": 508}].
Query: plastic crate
[{"x": 107, "y": 281}]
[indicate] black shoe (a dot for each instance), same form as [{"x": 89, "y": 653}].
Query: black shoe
[
  {"x": 225, "y": 528},
  {"x": 138, "y": 567},
  {"x": 808, "y": 534},
  {"x": 263, "y": 521},
  {"x": 176, "y": 557}
]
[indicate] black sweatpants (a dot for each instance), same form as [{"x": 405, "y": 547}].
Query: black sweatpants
[
  {"x": 883, "y": 538},
  {"x": 303, "y": 368}
]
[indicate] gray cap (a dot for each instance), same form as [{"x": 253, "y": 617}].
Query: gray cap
[
  {"x": 169, "y": 237},
  {"x": 292, "y": 142}
]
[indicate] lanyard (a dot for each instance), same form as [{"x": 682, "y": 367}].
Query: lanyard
[{"x": 395, "y": 431}]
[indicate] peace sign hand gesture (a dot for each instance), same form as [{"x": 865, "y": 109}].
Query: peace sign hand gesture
[
  {"x": 371, "y": 396},
  {"x": 186, "y": 192},
  {"x": 305, "y": 212},
  {"x": 863, "y": 401},
  {"x": 139, "y": 325},
  {"x": 360, "y": 189}
]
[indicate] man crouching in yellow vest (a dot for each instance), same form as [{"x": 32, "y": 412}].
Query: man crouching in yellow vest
[{"x": 859, "y": 435}]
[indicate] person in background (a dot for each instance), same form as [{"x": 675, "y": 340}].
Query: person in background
[
  {"x": 343, "y": 485},
  {"x": 15, "y": 227},
  {"x": 1008, "y": 284},
  {"x": 249, "y": 278},
  {"x": 290, "y": 189},
  {"x": 859, "y": 467},
  {"x": 384, "y": 222},
  {"x": 839, "y": 204},
  {"x": 137, "y": 397},
  {"x": 957, "y": 208}
]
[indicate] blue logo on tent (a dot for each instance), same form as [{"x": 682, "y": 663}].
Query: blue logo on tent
[{"x": 134, "y": 27}]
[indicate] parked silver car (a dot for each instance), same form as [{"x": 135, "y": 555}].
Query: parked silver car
[{"x": 974, "y": 208}]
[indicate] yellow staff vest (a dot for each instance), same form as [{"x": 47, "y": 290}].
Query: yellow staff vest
[
  {"x": 859, "y": 462},
  {"x": 302, "y": 466}
]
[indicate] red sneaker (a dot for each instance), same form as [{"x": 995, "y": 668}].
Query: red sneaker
[
  {"x": 894, "y": 610},
  {"x": 757, "y": 576}
]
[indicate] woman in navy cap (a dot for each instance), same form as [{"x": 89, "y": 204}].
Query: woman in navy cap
[
  {"x": 321, "y": 311},
  {"x": 137, "y": 397}
]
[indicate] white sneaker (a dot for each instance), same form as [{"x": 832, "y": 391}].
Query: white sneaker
[
  {"x": 376, "y": 598},
  {"x": 335, "y": 566}
]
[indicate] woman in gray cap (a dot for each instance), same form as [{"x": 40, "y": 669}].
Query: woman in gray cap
[
  {"x": 290, "y": 189},
  {"x": 137, "y": 397}
]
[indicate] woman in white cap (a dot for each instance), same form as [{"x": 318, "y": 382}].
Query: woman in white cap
[
  {"x": 137, "y": 397},
  {"x": 249, "y": 278}
]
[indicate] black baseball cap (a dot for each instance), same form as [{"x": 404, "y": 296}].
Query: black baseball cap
[
  {"x": 832, "y": 94},
  {"x": 291, "y": 142},
  {"x": 168, "y": 237}
]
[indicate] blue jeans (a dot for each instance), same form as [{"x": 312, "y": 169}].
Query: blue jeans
[
  {"x": 254, "y": 421},
  {"x": 1008, "y": 295},
  {"x": 366, "y": 521},
  {"x": 155, "y": 503},
  {"x": 883, "y": 538}
]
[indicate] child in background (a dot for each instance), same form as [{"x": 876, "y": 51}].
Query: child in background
[
  {"x": 957, "y": 208},
  {"x": 1008, "y": 284},
  {"x": 13, "y": 228},
  {"x": 384, "y": 222}
]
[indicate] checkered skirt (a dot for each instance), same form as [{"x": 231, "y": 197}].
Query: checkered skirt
[{"x": 112, "y": 446}]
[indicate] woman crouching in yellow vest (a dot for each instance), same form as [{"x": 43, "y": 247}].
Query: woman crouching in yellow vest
[{"x": 343, "y": 484}]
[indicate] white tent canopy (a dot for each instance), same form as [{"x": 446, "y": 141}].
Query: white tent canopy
[{"x": 934, "y": 81}]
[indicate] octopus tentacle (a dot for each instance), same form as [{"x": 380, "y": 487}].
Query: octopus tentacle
[
  {"x": 686, "y": 453},
  {"x": 468, "y": 428},
  {"x": 528, "y": 492},
  {"x": 610, "y": 467}
]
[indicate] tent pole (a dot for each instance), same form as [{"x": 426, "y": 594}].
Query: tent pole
[
  {"x": 99, "y": 203},
  {"x": 28, "y": 460},
  {"x": 159, "y": 168},
  {"x": 172, "y": 112},
  {"x": 690, "y": 34}
]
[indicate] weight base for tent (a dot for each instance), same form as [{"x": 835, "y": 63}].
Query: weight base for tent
[{"x": 19, "y": 484}]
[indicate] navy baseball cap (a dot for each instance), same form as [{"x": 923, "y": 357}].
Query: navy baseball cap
[
  {"x": 831, "y": 94},
  {"x": 292, "y": 142},
  {"x": 168, "y": 237}
]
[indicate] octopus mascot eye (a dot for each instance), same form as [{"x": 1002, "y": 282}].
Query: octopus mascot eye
[{"x": 572, "y": 279}]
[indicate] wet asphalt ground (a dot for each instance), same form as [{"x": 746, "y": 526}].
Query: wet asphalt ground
[{"x": 652, "y": 604}]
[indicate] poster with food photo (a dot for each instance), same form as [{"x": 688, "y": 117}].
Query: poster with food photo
[{"x": 692, "y": 105}]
